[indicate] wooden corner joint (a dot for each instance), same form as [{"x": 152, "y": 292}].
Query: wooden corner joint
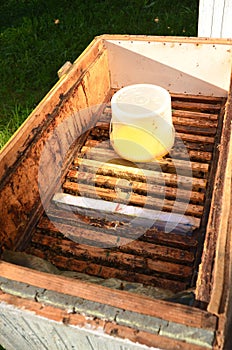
[{"x": 64, "y": 69}]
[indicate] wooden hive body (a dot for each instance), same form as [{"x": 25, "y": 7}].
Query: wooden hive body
[{"x": 59, "y": 201}]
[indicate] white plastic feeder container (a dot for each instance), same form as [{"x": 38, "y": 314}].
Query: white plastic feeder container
[{"x": 141, "y": 127}]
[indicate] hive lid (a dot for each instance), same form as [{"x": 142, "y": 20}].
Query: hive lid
[{"x": 139, "y": 100}]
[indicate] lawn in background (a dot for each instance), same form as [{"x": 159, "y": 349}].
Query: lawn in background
[{"x": 38, "y": 36}]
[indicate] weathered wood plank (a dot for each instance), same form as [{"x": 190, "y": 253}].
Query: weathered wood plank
[
  {"x": 174, "y": 239},
  {"x": 21, "y": 186},
  {"x": 138, "y": 187},
  {"x": 103, "y": 134},
  {"x": 195, "y": 138},
  {"x": 200, "y": 98},
  {"x": 120, "y": 229},
  {"x": 221, "y": 274},
  {"x": 122, "y": 244},
  {"x": 37, "y": 326},
  {"x": 125, "y": 300},
  {"x": 99, "y": 270},
  {"x": 122, "y": 259},
  {"x": 84, "y": 331},
  {"x": 196, "y": 106},
  {"x": 217, "y": 214},
  {"x": 195, "y": 130},
  {"x": 25, "y": 134},
  {"x": 179, "y": 117},
  {"x": 204, "y": 119},
  {"x": 176, "y": 152},
  {"x": 195, "y": 146},
  {"x": 111, "y": 329},
  {"x": 137, "y": 174},
  {"x": 178, "y": 162},
  {"x": 132, "y": 198},
  {"x": 144, "y": 217}
]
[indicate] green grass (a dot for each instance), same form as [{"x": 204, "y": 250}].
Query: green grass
[{"x": 38, "y": 36}]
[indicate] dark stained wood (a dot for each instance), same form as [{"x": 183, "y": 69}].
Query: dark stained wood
[
  {"x": 99, "y": 270},
  {"x": 194, "y": 155},
  {"x": 118, "y": 259},
  {"x": 174, "y": 239},
  {"x": 121, "y": 229},
  {"x": 21, "y": 184},
  {"x": 196, "y": 138},
  {"x": 200, "y": 98},
  {"x": 100, "y": 133},
  {"x": 156, "y": 258},
  {"x": 197, "y": 146},
  {"x": 218, "y": 213},
  {"x": 178, "y": 121},
  {"x": 137, "y": 174},
  {"x": 182, "y": 125},
  {"x": 176, "y": 153},
  {"x": 138, "y": 187},
  {"x": 99, "y": 181},
  {"x": 196, "y": 106},
  {"x": 133, "y": 198},
  {"x": 128, "y": 213},
  {"x": 167, "y": 164},
  {"x": 195, "y": 130},
  {"x": 208, "y": 119},
  {"x": 122, "y": 244}
]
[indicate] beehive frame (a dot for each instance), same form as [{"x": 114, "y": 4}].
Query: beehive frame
[{"x": 106, "y": 61}]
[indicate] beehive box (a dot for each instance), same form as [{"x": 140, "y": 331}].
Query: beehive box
[{"x": 111, "y": 254}]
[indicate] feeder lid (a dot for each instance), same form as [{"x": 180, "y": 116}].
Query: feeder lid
[{"x": 139, "y": 101}]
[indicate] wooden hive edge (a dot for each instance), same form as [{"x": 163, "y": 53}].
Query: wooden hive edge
[
  {"x": 221, "y": 291},
  {"x": 182, "y": 314},
  {"x": 212, "y": 272},
  {"x": 20, "y": 159},
  {"x": 22, "y": 138},
  {"x": 165, "y": 38},
  {"x": 122, "y": 324}
]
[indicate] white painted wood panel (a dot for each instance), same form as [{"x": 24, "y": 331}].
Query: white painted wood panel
[
  {"x": 21, "y": 329},
  {"x": 179, "y": 67},
  {"x": 215, "y": 18}
]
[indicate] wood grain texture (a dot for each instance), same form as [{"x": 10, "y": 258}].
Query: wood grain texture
[
  {"x": 138, "y": 174},
  {"x": 134, "y": 198},
  {"x": 144, "y": 249},
  {"x": 220, "y": 296},
  {"x": 171, "y": 39},
  {"x": 20, "y": 186},
  {"x": 116, "y": 229},
  {"x": 140, "y": 187},
  {"x": 29, "y": 325},
  {"x": 17, "y": 146},
  {"x": 75, "y": 331},
  {"x": 177, "y": 153},
  {"x": 58, "y": 130},
  {"x": 125, "y": 300},
  {"x": 218, "y": 213},
  {"x": 121, "y": 258},
  {"x": 95, "y": 269}
]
